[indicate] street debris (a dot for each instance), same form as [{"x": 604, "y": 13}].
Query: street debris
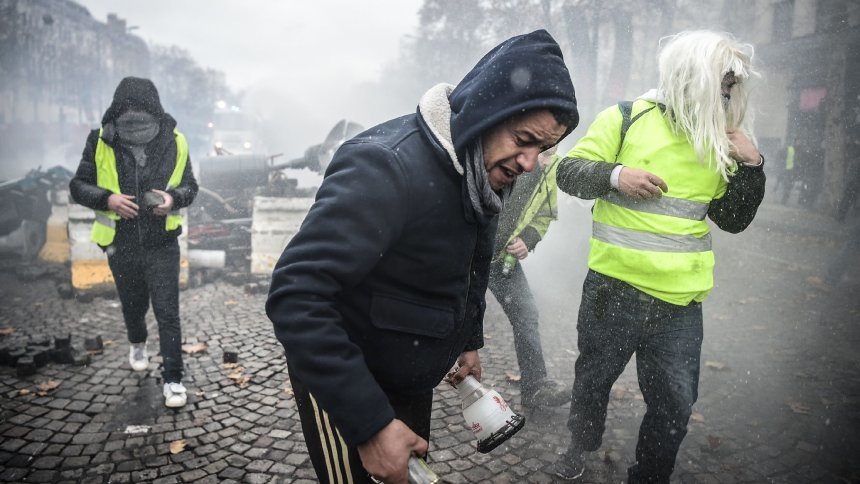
[
  {"x": 714, "y": 442},
  {"x": 137, "y": 429},
  {"x": 799, "y": 408},
  {"x": 195, "y": 348},
  {"x": 716, "y": 365},
  {"x": 237, "y": 376},
  {"x": 611, "y": 455},
  {"x": 48, "y": 386},
  {"x": 177, "y": 446},
  {"x": 512, "y": 377}
]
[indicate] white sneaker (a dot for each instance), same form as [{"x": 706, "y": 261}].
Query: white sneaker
[
  {"x": 174, "y": 395},
  {"x": 137, "y": 356}
]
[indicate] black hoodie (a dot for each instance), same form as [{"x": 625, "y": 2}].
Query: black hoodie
[
  {"x": 383, "y": 286},
  {"x": 147, "y": 229}
]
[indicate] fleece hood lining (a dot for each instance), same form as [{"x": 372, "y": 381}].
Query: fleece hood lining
[{"x": 435, "y": 109}]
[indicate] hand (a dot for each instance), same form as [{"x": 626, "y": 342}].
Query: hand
[
  {"x": 742, "y": 149},
  {"x": 165, "y": 207},
  {"x": 518, "y": 248},
  {"x": 386, "y": 455},
  {"x": 469, "y": 363},
  {"x": 122, "y": 205},
  {"x": 640, "y": 184}
]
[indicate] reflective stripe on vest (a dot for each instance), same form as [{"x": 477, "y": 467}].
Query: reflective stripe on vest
[
  {"x": 107, "y": 177},
  {"x": 634, "y": 239},
  {"x": 673, "y": 207},
  {"x": 789, "y": 158}
]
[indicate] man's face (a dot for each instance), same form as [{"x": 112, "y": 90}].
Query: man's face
[
  {"x": 512, "y": 147},
  {"x": 726, "y": 86}
]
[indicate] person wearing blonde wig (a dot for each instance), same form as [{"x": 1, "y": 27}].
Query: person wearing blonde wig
[{"x": 658, "y": 167}]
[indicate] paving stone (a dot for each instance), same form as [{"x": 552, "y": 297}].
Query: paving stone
[
  {"x": 48, "y": 462},
  {"x": 166, "y": 480},
  {"x": 11, "y": 474},
  {"x": 145, "y": 475},
  {"x": 43, "y": 476},
  {"x": 231, "y": 473},
  {"x": 72, "y": 462}
]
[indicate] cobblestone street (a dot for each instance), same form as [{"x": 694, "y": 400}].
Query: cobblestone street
[{"x": 779, "y": 398}]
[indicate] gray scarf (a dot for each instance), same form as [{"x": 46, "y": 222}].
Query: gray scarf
[
  {"x": 484, "y": 199},
  {"x": 135, "y": 129}
]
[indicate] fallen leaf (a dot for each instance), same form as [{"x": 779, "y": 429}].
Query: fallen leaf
[
  {"x": 195, "y": 348},
  {"x": 716, "y": 365},
  {"x": 24, "y": 391},
  {"x": 487, "y": 336},
  {"x": 200, "y": 394},
  {"x": 611, "y": 455},
  {"x": 697, "y": 417},
  {"x": 714, "y": 441},
  {"x": 513, "y": 377},
  {"x": 177, "y": 446},
  {"x": 48, "y": 386},
  {"x": 108, "y": 342},
  {"x": 6, "y": 331},
  {"x": 800, "y": 408},
  {"x": 230, "y": 302},
  {"x": 236, "y": 374},
  {"x": 230, "y": 365}
]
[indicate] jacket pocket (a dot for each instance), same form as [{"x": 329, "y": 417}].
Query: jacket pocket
[
  {"x": 410, "y": 346},
  {"x": 396, "y": 314}
]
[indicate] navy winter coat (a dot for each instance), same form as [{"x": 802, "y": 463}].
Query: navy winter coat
[{"x": 383, "y": 286}]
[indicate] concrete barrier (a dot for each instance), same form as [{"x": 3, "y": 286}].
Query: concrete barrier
[
  {"x": 274, "y": 222},
  {"x": 56, "y": 248},
  {"x": 89, "y": 266}
]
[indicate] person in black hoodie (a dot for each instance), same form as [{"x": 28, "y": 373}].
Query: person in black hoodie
[
  {"x": 136, "y": 174},
  {"x": 382, "y": 289}
]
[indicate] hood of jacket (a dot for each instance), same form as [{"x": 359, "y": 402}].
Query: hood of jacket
[
  {"x": 134, "y": 92},
  {"x": 523, "y": 73}
]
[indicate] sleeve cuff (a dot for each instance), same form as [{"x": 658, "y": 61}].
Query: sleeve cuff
[
  {"x": 756, "y": 165},
  {"x": 613, "y": 178}
]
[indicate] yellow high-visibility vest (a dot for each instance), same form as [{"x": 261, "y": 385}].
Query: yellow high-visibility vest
[
  {"x": 542, "y": 207},
  {"x": 107, "y": 177},
  {"x": 660, "y": 246}
]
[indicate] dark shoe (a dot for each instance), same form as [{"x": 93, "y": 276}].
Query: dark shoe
[
  {"x": 548, "y": 394},
  {"x": 570, "y": 466}
]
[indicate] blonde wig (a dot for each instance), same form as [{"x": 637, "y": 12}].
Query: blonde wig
[{"x": 692, "y": 66}]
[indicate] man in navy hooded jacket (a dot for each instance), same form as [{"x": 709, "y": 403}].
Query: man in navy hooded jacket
[{"x": 382, "y": 289}]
